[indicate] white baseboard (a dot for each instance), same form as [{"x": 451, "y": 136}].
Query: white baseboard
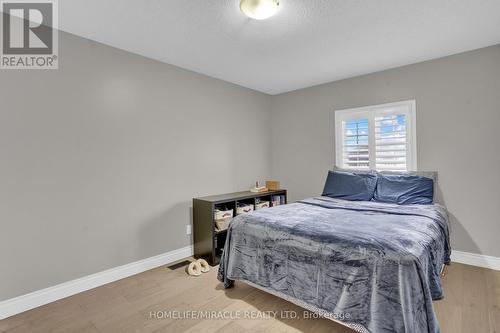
[
  {"x": 38, "y": 298},
  {"x": 473, "y": 259}
]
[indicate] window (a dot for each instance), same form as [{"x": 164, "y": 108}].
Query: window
[{"x": 380, "y": 137}]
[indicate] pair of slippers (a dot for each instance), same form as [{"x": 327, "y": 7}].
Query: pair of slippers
[{"x": 197, "y": 267}]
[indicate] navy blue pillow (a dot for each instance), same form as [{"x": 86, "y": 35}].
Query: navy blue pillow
[
  {"x": 350, "y": 186},
  {"x": 404, "y": 189}
]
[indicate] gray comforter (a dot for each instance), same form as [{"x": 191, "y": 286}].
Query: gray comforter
[{"x": 371, "y": 265}]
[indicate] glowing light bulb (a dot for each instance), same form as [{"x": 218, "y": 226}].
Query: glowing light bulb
[{"x": 259, "y": 9}]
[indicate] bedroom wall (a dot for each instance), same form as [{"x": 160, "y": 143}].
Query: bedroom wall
[
  {"x": 101, "y": 158},
  {"x": 458, "y": 113}
]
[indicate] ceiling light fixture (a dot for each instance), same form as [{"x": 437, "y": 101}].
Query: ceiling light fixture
[{"x": 259, "y": 9}]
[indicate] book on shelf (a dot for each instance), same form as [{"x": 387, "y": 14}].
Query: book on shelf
[{"x": 277, "y": 200}]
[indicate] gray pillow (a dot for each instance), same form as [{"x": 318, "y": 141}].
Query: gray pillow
[
  {"x": 404, "y": 189},
  {"x": 350, "y": 186},
  {"x": 429, "y": 174}
]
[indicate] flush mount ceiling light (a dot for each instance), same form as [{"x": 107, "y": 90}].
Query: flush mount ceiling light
[{"x": 259, "y": 9}]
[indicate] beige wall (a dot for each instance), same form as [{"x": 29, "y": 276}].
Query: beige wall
[
  {"x": 458, "y": 119},
  {"x": 100, "y": 160}
]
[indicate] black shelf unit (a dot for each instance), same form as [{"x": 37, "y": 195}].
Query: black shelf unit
[{"x": 208, "y": 242}]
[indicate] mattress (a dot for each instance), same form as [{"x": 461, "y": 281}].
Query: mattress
[{"x": 374, "y": 265}]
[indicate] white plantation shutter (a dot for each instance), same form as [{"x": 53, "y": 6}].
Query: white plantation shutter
[
  {"x": 390, "y": 142},
  {"x": 380, "y": 137},
  {"x": 356, "y": 153}
]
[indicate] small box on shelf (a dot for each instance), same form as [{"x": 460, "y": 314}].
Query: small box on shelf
[
  {"x": 222, "y": 224},
  {"x": 244, "y": 206},
  {"x": 262, "y": 204},
  {"x": 242, "y": 209},
  {"x": 222, "y": 214},
  {"x": 273, "y": 185},
  {"x": 222, "y": 217}
]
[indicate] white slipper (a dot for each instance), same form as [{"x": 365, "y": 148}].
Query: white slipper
[
  {"x": 194, "y": 269},
  {"x": 204, "y": 265}
]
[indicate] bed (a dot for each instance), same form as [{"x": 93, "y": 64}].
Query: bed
[{"x": 372, "y": 266}]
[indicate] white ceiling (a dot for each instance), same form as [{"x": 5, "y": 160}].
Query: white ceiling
[{"x": 307, "y": 43}]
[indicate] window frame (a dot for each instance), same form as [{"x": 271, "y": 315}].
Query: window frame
[{"x": 370, "y": 112}]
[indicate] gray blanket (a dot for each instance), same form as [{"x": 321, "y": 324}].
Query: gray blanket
[{"x": 367, "y": 264}]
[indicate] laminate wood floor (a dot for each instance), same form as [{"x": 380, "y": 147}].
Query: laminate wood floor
[{"x": 471, "y": 304}]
